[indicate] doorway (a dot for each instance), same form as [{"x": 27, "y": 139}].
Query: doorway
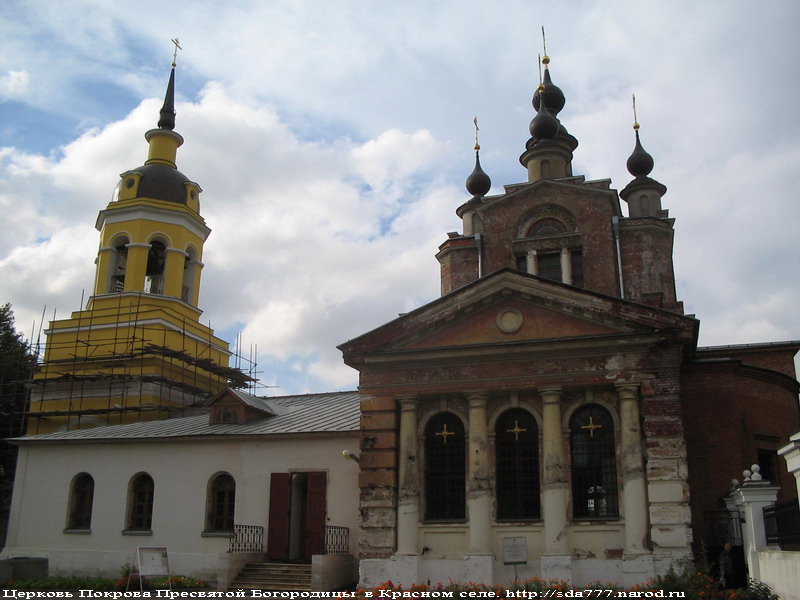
[{"x": 297, "y": 511}]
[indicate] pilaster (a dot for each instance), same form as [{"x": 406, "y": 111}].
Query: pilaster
[
  {"x": 554, "y": 480},
  {"x": 634, "y": 485},
  {"x": 479, "y": 499},
  {"x": 408, "y": 493}
]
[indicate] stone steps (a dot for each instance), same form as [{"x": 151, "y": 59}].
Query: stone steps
[{"x": 274, "y": 576}]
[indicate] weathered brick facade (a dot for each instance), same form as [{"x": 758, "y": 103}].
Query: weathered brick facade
[{"x": 553, "y": 300}]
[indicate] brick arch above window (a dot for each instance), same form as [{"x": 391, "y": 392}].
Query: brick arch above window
[{"x": 551, "y": 214}]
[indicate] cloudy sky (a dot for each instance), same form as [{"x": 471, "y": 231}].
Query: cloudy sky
[{"x": 332, "y": 140}]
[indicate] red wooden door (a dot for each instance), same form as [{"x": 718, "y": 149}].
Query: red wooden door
[
  {"x": 280, "y": 494},
  {"x": 316, "y": 509}
]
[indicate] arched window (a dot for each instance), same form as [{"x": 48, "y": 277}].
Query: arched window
[
  {"x": 154, "y": 275},
  {"x": 119, "y": 258},
  {"x": 140, "y": 503},
  {"x": 445, "y": 468},
  {"x": 546, "y": 227},
  {"x": 80, "y": 502},
  {"x": 594, "y": 463},
  {"x": 221, "y": 504},
  {"x": 517, "y": 465}
]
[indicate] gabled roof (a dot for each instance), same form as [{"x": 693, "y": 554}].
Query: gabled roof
[
  {"x": 334, "y": 412},
  {"x": 468, "y": 319},
  {"x": 266, "y": 406}
]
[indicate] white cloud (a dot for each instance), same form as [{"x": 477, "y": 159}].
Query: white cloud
[
  {"x": 13, "y": 84},
  {"x": 332, "y": 143}
]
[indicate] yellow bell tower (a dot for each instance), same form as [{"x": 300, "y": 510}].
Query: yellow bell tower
[{"x": 138, "y": 351}]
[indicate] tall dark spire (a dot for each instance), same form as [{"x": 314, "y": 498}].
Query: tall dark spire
[
  {"x": 167, "y": 114},
  {"x": 478, "y": 183},
  {"x": 167, "y": 120}
]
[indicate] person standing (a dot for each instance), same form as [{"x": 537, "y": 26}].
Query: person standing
[{"x": 726, "y": 572}]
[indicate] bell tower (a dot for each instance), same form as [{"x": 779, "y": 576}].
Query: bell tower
[{"x": 138, "y": 350}]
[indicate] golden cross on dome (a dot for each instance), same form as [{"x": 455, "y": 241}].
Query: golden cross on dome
[
  {"x": 591, "y": 426},
  {"x": 477, "y": 145},
  {"x": 444, "y": 433},
  {"x": 517, "y": 430}
]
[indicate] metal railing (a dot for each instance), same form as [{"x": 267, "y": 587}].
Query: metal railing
[
  {"x": 246, "y": 539},
  {"x": 782, "y": 523},
  {"x": 250, "y": 539},
  {"x": 337, "y": 539}
]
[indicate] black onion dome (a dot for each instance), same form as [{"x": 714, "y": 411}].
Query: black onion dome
[
  {"x": 544, "y": 125},
  {"x": 640, "y": 163},
  {"x": 553, "y": 96},
  {"x": 162, "y": 182},
  {"x": 478, "y": 183}
]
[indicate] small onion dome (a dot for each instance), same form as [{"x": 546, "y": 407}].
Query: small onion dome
[
  {"x": 544, "y": 125},
  {"x": 640, "y": 163},
  {"x": 552, "y": 94},
  {"x": 478, "y": 183}
]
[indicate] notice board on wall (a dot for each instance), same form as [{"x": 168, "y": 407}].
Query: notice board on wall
[
  {"x": 515, "y": 550},
  {"x": 152, "y": 561}
]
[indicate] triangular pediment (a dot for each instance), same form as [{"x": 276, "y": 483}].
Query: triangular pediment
[
  {"x": 509, "y": 307},
  {"x": 550, "y": 190}
]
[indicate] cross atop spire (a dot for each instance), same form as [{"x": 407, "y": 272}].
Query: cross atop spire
[
  {"x": 175, "y": 53},
  {"x": 167, "y": 115}
]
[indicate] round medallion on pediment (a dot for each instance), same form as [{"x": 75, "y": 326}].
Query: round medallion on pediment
[{"x": 509, "y": 320}]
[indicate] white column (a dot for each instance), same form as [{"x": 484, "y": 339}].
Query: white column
[
  {"x": 633, "y": 479},
  {"x": 554, "y": 481},
  {"x": 479, "y": 559},
  {"x": 556, "y": 562},
  {"x": 531, "y": 264},
  {"x": 408, "y": 494},
  {"x": 479, "y": 499},
  {"x": 566, "y": 266}
]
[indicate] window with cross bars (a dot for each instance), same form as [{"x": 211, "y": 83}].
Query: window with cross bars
[
  {"x": 221, "y": 503},
  {"x": 140, "y": 503},
  {"x": 594, "y": 463},
  {"x": 445, "y": 468},
  {"x": 80, "y": 503},
  {"x": 517, "y": 465}
]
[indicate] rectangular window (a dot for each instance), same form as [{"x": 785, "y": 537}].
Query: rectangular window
[{"x": 550, "y": 266}]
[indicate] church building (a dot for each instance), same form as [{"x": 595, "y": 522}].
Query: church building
[{"x": 551, "y": 414}]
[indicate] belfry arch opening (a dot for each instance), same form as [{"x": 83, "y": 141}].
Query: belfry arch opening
[
  {"x": 154, "y": 274},
  {"x": 119, "y": 262}
]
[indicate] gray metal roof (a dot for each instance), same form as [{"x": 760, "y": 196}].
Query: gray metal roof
[{"x": 306, "y": 413}]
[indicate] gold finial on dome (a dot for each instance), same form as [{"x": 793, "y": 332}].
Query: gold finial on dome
[
  {"x": 635, "y": 120},
  {"x": 477, "y": 145}
]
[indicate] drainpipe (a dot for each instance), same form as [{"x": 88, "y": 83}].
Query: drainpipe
[
  {"x": 479, "y": 244},
  {"x": 615, "y": 228}
]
